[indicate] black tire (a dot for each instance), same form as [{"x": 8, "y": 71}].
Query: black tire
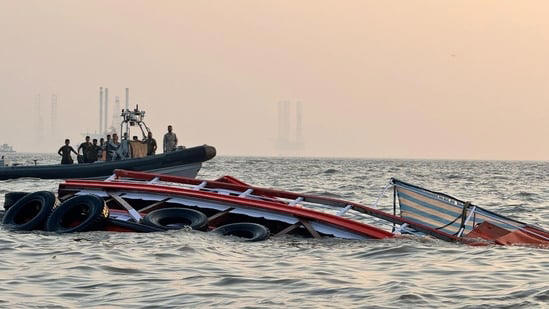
[
  {"x": 136, "y": 227},
  {"x": 78, "y": 214},
  {"x": 176, "y": 218},
  {"x": 11, "y": 198},
  {"x": 30, "y": 212},
  {"x": 249, "y": 231}
]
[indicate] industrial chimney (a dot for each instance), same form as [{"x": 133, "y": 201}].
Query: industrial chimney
[
  {"x": 100, "y": 110},
  {"x": 127, "y": 98},
  {"x": 105, "y": 123}
]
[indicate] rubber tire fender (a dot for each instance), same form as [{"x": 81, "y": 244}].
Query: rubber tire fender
[
  {"x": 176, "y": 218},
  {"x": 11, "y": 198},
  {"x": 37, "y": 205},
  {"x": 136, "y": 227},
  {"x": 248, "y": 230},
  {"x": 90, "y": 209}
]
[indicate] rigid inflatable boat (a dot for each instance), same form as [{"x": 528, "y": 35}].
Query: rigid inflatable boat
[{"x": 183, "y": 162}]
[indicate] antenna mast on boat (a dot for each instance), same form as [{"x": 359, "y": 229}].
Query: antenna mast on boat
[{"x": 133, "y": 118}]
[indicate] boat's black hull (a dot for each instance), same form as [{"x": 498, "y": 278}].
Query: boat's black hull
[{"x": 102, "y": 169}]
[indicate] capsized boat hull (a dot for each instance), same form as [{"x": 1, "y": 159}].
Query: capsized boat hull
[
  {"x": 225, "y": 201},
  {"x": 185, "y": 162},
  {"x": 287, "y": 212}
]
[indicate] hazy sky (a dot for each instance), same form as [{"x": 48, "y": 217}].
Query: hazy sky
[{"x": 397, "y": 79}]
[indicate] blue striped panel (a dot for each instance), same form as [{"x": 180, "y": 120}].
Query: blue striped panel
[
  {"x": 434, "y": 220},
  {"x": 427, "y": 222},
  {"x": 438, "y": 206},
  {"x": 427, "y": 208},
  {"x": 490, "y": 216}
]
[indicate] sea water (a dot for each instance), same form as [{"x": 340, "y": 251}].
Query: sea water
[{"x": 196, "y": 269}]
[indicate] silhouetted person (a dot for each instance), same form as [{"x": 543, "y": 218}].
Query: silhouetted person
[
  {"x": 107, "y": 148},
  {"x": 170, "y": 140},
  {"x": 65, "y": 153},
  {"x": 100, "y": 149},
  {"x": 151, "y": 144},
  {"x": 86, "y": 147},
  {"x": 94, "y": 151}
]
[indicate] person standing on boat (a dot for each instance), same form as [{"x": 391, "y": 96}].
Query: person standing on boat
[
  {"x": 123, "y": 151},
  {"x": 101, "y": 149},
  {"x": 107, "y": 148},
  {"x": 170, "y": 140},
  {"x": 151, "y": 144},
  {"x": 86, "y": 148},
  {"x": 93, "y": 152},
  {"x": 112, "y": 147},
  {"x": 65, "y": 152}
]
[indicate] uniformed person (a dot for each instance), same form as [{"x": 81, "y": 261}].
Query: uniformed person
[
  {"x": 151, "y": 144},
  {"x": 86, "y": 148},
  {"x": 170, "y": 140}
]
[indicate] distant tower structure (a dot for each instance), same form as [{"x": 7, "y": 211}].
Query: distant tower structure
[
  {"x": 53, "y": 115},
  {"x": 116, "y": 113},
  {"x": 288, "y": 143},
  {"x": 100, "y": 110},
  {"x": 105, "y": 125},
  {"x": 299, "y": 124},
  {"x": 39, "y": 121},
  {"x": 127, "y": 98},
  {"x": 286, "y": 122}
]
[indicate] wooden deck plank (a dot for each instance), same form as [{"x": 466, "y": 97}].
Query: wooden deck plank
[
  {"x": 220, "y": 214},
  {"x": 309, "y": 228},
  {"x": 133, "y": 213},
  {"x": 154, "y": 205},
  {"x": 288, "y": 229}
]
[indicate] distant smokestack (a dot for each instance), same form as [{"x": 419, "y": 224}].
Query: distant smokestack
[
  {"x": 100, "y": 110},
  {"x": 286, "y": 127},
  {"x": 53, "y": 115},
  {"x": 280, "y": 117},
  {"x": 105, "y": 123},
  {"x": 127, "y": 98},
  {"x": 116, "y": 114},
  {"x": 39, "y": 123},
  {"x": 299, "y": 124}
]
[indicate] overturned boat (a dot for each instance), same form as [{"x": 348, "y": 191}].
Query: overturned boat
[
  {"x": 183, "y": 162},
  {"x": 138, "y": 201}
]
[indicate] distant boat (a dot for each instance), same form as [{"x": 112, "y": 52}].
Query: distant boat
[{"x": 5, "y": 148}]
